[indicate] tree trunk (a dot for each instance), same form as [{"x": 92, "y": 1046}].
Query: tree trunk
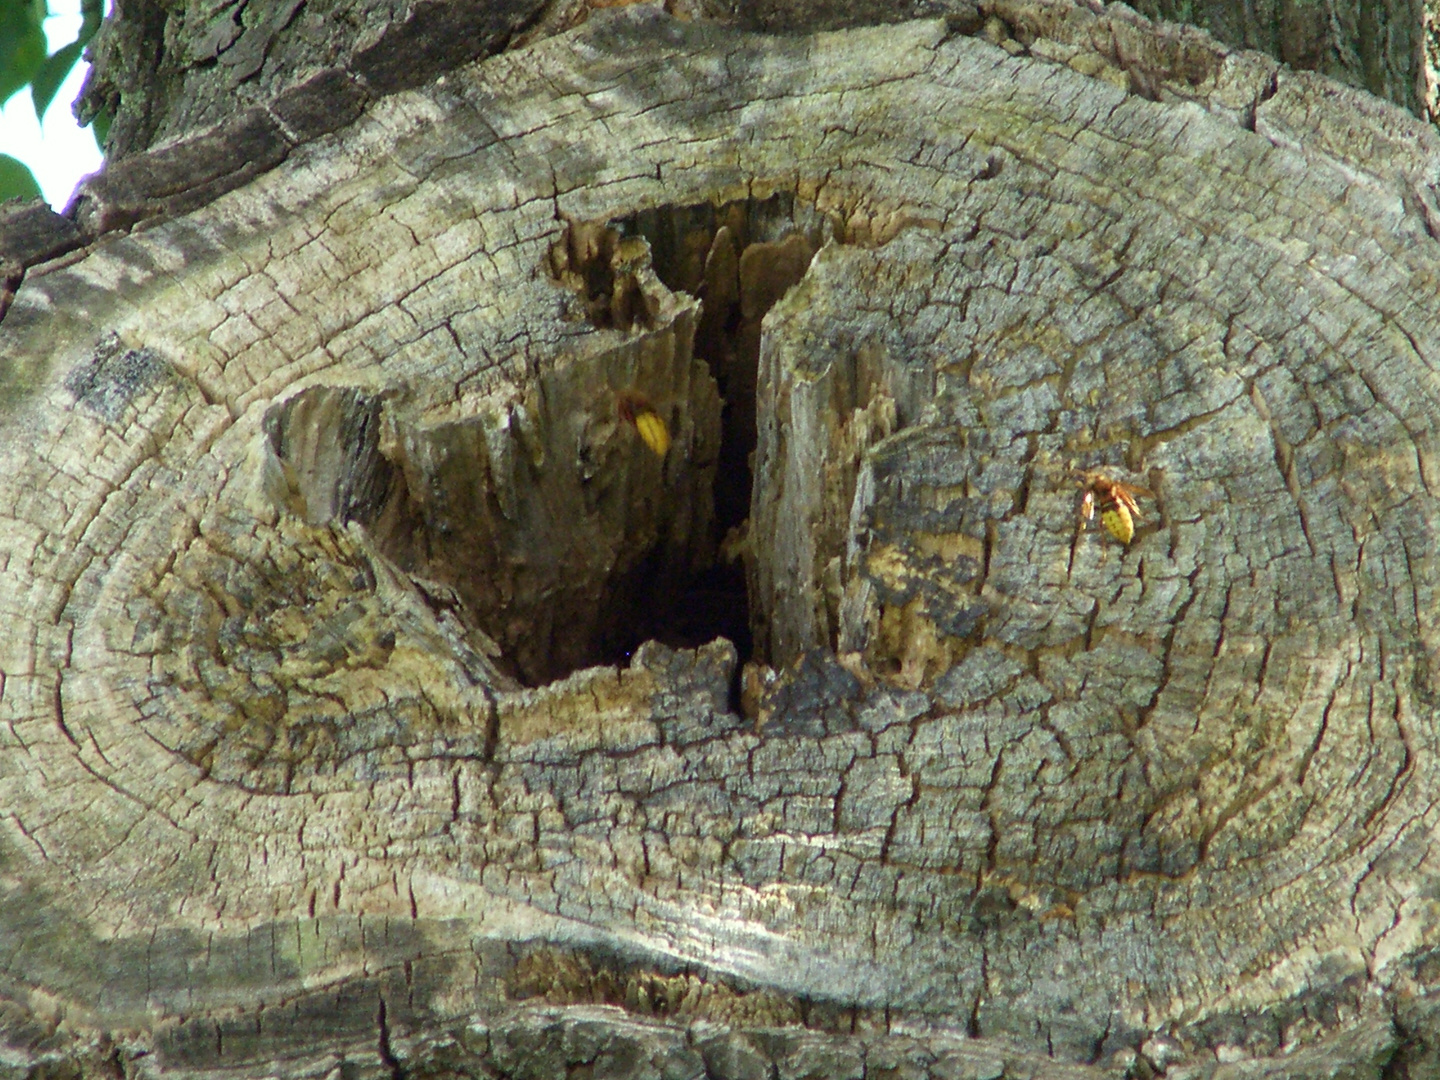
[
  {"x": 1388, "y": 47},
  {"x": 373, "y": 689}
]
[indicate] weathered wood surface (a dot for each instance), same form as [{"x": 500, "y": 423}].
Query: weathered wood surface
[
  {"x": 163, "y": 71},
  {"x": 288, "y": 480},
  {"x": 1389, "y": 47}
]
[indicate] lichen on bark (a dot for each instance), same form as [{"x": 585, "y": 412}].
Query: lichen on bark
[{"x": 275, "y": 798}]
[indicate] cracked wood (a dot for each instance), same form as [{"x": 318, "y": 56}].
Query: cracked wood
[{"x": 261, "y": 763}]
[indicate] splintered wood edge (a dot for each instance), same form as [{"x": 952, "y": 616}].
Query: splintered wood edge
[{"x": 458, "y": 190}]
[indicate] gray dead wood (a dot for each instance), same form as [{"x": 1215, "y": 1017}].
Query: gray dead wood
[
  {"x": 165, "y": 71},
  {"x": 301, "y": 488},
  {"x": 1389, "y": 47}
]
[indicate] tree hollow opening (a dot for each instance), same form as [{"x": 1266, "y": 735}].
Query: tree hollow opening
[
  {"x": 600, "y": 500},
  {"x": 738, "y": 258}
]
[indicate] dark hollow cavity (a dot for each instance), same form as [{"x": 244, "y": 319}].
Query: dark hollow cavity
[
  {"x": 541, "y": 518},
  {"x": 738, "y": 258}
]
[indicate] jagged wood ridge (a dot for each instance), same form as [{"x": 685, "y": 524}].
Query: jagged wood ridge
[{"x": 274, "y": 796}]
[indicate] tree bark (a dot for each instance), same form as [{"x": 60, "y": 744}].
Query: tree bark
[
  {"x": 1388, "y": 47},
  {"x": 360, "y": 710}
]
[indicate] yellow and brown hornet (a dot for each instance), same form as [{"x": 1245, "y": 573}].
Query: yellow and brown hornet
[
  {"x": 635, "y": 409},
  {"x": 1119, "y": 509}
]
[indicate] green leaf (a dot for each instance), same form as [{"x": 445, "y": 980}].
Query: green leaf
[
  {"x": 22, "y": 43},
  {"x": 57, "y": 65},
  {"x": 91, "y": 12},
  {"x": 16, "y": 181},
  {"x": 51, "y": 74}
]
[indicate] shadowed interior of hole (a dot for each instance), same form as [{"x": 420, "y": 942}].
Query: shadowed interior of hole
[
  {"x": 738, "y": 258},
  {"x": 540, "y": 517}
]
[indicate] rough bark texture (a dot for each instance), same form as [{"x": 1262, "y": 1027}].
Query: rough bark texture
[
  {"x": 1384, "y": 46},
  {"x": 164, "y": 70},
  {"x": 308, "y": 489}
]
